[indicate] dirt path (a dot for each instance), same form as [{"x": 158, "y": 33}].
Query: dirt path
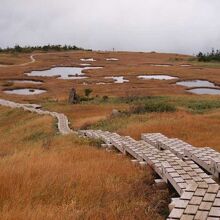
[
  {"x": 62, "y": 121},
  {"x": 33, "y": 59}
]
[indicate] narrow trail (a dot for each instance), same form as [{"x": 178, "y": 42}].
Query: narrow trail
[
  {"x": 62, "y": 121},
  {"x": 32, "y": 60}
]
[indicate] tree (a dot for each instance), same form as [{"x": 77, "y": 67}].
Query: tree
[
  {"x": 18, "y": 48},
  {"x": 87, "y": 92}
]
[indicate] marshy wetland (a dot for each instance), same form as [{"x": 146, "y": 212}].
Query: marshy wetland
[
  {"x": 63, "y": 72},
  {"x": 146, "y": 98},
  {"x": 25, "y": 91}
]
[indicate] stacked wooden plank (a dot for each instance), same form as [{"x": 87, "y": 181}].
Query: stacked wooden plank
[
  {"x": 199, "y": 201},
  {"x": 205, "y": 157},
  {"x": 162, "y": 142},
  {"x": 62, "y": 121},
  {"x": 199, "y": 194}
]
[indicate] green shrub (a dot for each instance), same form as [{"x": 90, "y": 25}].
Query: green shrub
[
  {"x": 201, "y": 106},
  {"x": 29, "y": 49},
  {"x": 87, "y": 92},
  {"x": 207, "y": 57},
  {"x": 105, "y": 98},
  {"x": 141, "y": 100},
  {"x": 85, "y": 99},
  {"x": 153, "y": 107}
]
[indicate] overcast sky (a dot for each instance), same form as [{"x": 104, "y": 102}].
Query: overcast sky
[{"x": 184, "y": 26}]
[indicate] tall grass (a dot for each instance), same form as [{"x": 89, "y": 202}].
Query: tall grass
[
  {"x": 204, "y": 105},
  {"x": 65, "y": 177},
  {"x": 153, "y": 107}
]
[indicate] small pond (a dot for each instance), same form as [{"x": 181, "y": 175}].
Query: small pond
[
  {"x": 25, "y": 81},
  {"x": 205, "y": 91},
  {"x": 85, "y": 64},
  {"x": 118, "y": 79},
  {"x": 158, "y": 77},
  {"x": 111, "y": 59},
  {"x": 88, "y": 60},
  {"x": 101, "y": 83},
  {"x": 161, "y": 65},
  {"x": 25, "y": 91},
  {"x": 63, "y": 72},
  {"x": 196, "y": 83},
  {"x": 185, "y": 65}
]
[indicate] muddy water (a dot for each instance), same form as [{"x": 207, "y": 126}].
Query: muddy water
[
  {"x": 25, "y": 91},
  {"x": 196, "y": 83},
  {"x": 158, "y": 77},
  {"x": 63, "y": 72},
  {"x": 205, "y": 91},
  {"x": 25, "y": 81},
  {"x": 118, "y": 79}
]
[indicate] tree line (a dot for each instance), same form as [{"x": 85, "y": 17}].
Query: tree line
[
  {"x": 28, "y": 49},
  {"x": 214, "y": 55}
]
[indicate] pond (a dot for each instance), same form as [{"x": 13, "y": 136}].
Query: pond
[
  {"x": 63, "y": 72},
  {"x": 101, "y": 83},
  {"x": 196, "y": 83},
  {"x": 25, "y": 81},
  {"x": 111, "y": 59},
  {"x": 205, "y": 91},
  {"x": 26, "y": 91},
  {"x": 118, "y": 79},
  {"x": 161, "y": 65},
  {"x": 85, "y": 64},
  {"x": 158, "y": 77},
  {"x": 185, "y": 65},
  {"x": 88, "y": 60}
]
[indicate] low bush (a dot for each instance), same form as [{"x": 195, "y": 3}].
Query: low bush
[
  {"x": 85, "y": 99},
  {"x": 200, "y": 106},
  {"x": 141, "y": 100},
  {"x": 29, "y": 49},
  {"x": 87, "y": 92},
  {"x": 153, "y": 107},
  {"x": 105, "y": 98},
  {"x": 214, "y": 55}
]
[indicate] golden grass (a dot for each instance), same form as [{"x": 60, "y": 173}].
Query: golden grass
[
  {"x": 81, "y": 115},
  {"x": 197, "y": 129},
  {"x": 64, "y": 177},
  {"x": 129, "y": 65},
  {"x": 47, "y": 176},
  {"x": 14, "y": 59},
  {"x": 19, "y": 130}
]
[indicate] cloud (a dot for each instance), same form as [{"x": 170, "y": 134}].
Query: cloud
[{"x": 184, "y": 26}]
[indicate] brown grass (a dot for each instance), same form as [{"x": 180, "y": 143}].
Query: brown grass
[
  {"x": 129, "y": 65},
  {"x": 197, "y": 129},
  {"x": 14, "y": 59},
  {"x": 63, "y": 177},
  {"x": 47, "y": 176},
  {"x": 81, "y": 115}
]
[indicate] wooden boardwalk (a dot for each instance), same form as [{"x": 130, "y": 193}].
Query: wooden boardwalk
[
  {"x": 62, "y": 121},
  {"x": 206, "y": 157},
  {"x": 187, "y": 168},
  {"x": 173, "y": 160}
]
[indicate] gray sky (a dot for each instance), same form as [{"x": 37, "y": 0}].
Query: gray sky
[{"x": 184, "y": 26}]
